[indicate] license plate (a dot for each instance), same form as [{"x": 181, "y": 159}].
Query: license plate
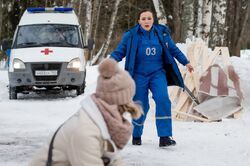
[{"x": 46, "y": 72}]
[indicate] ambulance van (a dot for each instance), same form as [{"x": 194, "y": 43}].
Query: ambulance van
[{"x": 47, "y": 52}]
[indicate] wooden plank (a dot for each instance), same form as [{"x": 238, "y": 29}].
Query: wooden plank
[
  {"x": 222, "y": 56},
  {"x": 191, "y": 111},
  {"x": 183, "y": 96},
  {"x": 174, "y": 93},
  {"x": 190, "y": 54},
  {"x": 206, "y": 60},
  {"x": 216, "y": 52},
  {"x": 182, "y": 99},
  {"x": 198, "y": 52},
  {"x": 202, "y": 56},
  {"x": 194, "y": 76},
  {"x": 211, "y": 58},
  {"x": 193, "y": 116},
  {"x": 190, "y": 49},
  {"x": 225, "y": 56},
  {"x": 238, "y": 114},
  {"x": 185, "y": 108},
  {"x": 185, "y": 103}
]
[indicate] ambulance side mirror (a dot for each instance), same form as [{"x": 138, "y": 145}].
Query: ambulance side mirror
[{"x": 6, "y": 44}]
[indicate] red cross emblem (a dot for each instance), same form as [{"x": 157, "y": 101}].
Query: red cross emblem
[{"x": 46, "y": 51}]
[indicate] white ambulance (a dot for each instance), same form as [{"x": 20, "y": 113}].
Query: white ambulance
[{"x": 47, "y": 52}]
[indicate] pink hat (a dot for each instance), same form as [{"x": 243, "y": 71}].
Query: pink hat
[{"x": 114, "y": 85}]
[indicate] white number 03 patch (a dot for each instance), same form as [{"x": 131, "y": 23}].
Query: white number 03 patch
[{"x": 150, "y": 51}]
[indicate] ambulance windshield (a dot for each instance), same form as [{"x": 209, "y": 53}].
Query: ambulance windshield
[{"x": 53, "y": 35}]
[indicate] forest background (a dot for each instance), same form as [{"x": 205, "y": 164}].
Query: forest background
[{"x": 217, "y": 22}]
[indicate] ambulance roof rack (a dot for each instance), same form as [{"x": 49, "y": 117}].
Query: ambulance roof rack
[{"x": 55, "y": 9}]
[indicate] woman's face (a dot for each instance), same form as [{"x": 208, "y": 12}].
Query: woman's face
[{"x": 146, "y": 20}]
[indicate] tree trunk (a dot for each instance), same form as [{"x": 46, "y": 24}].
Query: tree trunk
[
  {"x": 74, "y": 5},
  {"x": 236, "y": 24},
  {"x": 188, "y": 20},
  {"x": 71, "y": 3},
  {"x": 177, "y": 21},
  {"x": 242, "y": 31},
  {"x": 1, "y": 18},
  {"x": 87, "y": 28},
  {"x": 229, "y": 23},
  {"x": 206, "y": 19},
  {"x": 198, "y": 28},
  {"x": 95, "y": 18},
  {"x": 98, "y": 4},
  {"x": 64, "y": 3},
  {"x": 87, "y": 24},
  {"x": 9, "y": 26},
  {"x": 218, "y": 23},
  {"x": 80, "y": 8},
  {"x": 129, "y": 14},
  {"x": 110, "y": 32},
  {"x": 160, "y": 12}
]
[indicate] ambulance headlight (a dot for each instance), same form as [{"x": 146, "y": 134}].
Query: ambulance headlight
[
  {"x": 18, "y": 64},
  {"x": 74, "y": 64}
]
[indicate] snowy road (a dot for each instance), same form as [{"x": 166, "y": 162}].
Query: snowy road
[{"x": 25, "y": 125}]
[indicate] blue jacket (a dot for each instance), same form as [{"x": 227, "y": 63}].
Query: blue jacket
[{"x": 128, "y": 47}]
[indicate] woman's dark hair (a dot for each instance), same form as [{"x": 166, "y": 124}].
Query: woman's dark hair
[{"x": 144, "y": 10}]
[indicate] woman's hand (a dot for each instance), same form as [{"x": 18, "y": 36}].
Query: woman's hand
[{"x": 190, "y": 67}]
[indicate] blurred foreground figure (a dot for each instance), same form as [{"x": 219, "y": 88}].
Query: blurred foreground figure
[{"x": 95, "y": 134}]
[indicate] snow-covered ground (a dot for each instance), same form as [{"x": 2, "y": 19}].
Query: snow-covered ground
[{"x": 25, "y": 125}]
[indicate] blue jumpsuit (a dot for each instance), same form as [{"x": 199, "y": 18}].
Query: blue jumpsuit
[
  {"x": 150, "y": 61},
  {"x": 150, "y": 75}
]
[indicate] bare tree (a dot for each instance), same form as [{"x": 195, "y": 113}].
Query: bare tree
[
  {"x": 80, "y": 7},
  {"x": 243, "y": 28},
  {"x": 177, "y": 20},
  {"x": 206, "y": 19},
  {"x": 188, "y": 20},
  {"x": 160, "y": 12},
  {"x": 198, "y": 27},
  {"x": 221, "y": 22},
  {"x": 95, "y": 20},
  {"x": 104, "y": 48},
  {"x": 237, "y": 17},
  {"x": 87, "y": 23},
  {"x": 218, "y": 23},
  {"x": 71, "y": 3},
  {"x": 1, "y": 17},
  {"x": 64, "y": 3}
]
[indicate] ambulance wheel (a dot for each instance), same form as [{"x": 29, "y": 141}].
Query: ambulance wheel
[
  {"x": 80, "y": 89},
  {"x": 12, "y": 93}
]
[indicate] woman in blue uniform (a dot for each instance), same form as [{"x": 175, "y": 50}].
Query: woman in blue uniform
[{"x": 150, "y": 53}]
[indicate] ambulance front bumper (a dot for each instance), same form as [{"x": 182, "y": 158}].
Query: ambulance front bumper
[{"x": 46, "y": 74}]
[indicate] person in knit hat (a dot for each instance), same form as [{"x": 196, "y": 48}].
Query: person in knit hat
[{"x": 95, "y": 134}]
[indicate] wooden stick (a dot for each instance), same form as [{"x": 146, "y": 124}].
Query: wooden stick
[
  {"x": 238, "y": 113},
  {"x": 192, "y": 116}
]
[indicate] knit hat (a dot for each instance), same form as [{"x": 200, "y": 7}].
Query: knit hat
[{"x": 114, "y": 85}]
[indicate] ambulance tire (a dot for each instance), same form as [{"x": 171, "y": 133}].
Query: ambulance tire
[
  {"x": 12, "y": 93},
  {"x": 80, "y": 89}
]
